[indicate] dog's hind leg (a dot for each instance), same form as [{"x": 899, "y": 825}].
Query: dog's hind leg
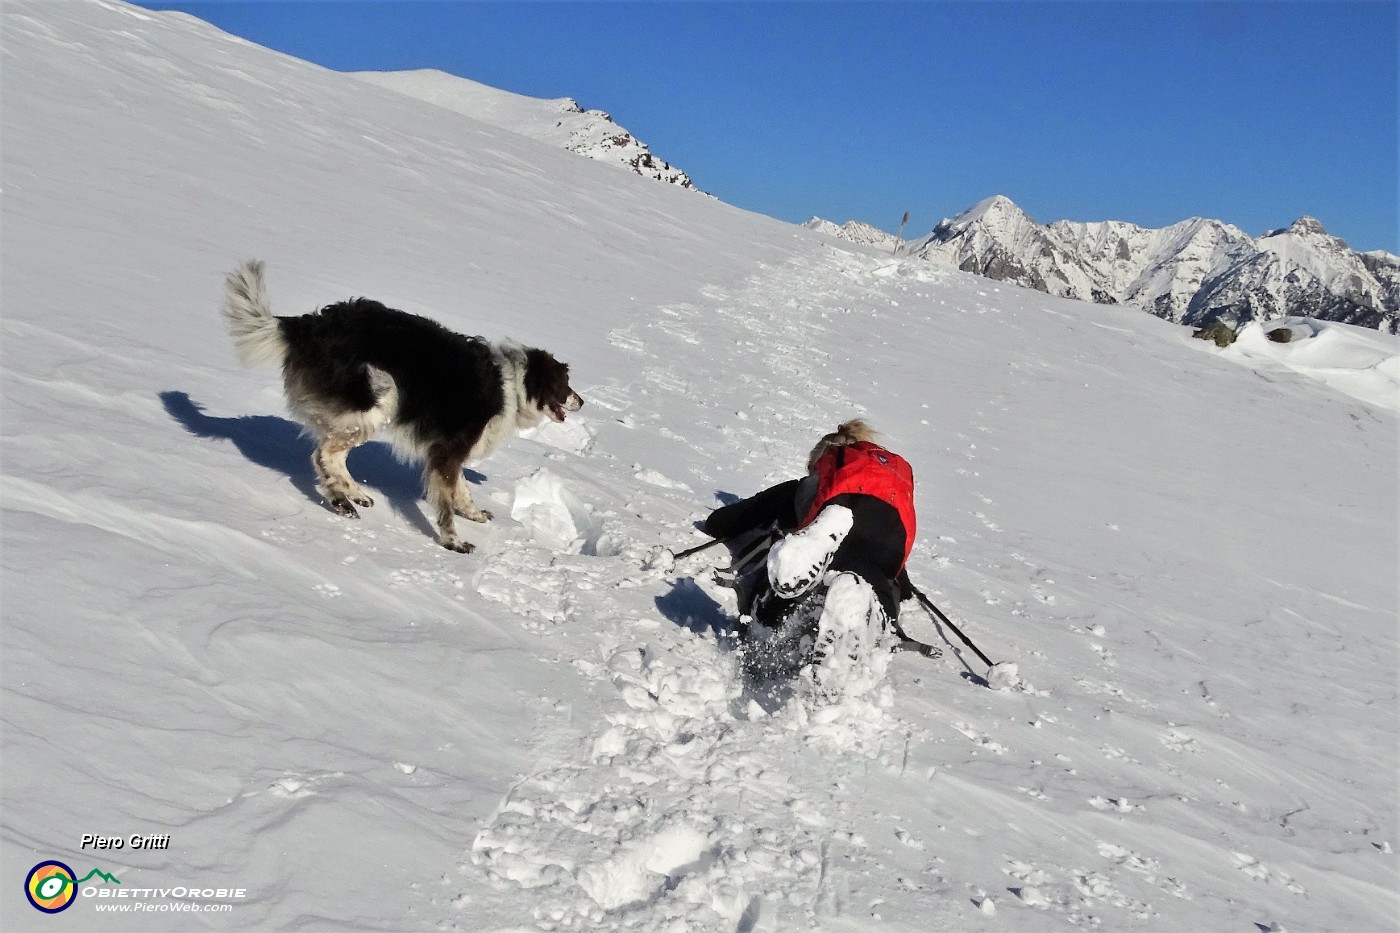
[
  {"x": 340, "y": 425},
  {"x": 332, "y": 475},
  {"x": 444, "y": 479}
]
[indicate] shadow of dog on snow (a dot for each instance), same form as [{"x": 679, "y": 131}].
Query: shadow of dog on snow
[{"x": 281, "y": 445}]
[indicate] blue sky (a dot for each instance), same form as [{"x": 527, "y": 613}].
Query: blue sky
[{"x": 1254, "y": 113}]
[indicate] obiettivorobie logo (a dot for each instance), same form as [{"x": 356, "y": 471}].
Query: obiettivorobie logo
[{"x": 52, "y": 886}]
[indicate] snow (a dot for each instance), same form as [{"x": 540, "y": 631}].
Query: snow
[
  {"x": 562, "y": 121},
  {"x": 998, "y": 212},
  {"x": 796, "y": 562},
  {"x": 853, "y": 655},
  {"x": 1004, "y": 675},
  {"x": 555, "y": 516},
  {"x": 1359, "y": 362},
  {"x": 515, "y": 112},
  {"x": 1190, "y": 552}
]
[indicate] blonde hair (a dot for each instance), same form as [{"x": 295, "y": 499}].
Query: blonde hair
[{"x": 854, "y": 431}]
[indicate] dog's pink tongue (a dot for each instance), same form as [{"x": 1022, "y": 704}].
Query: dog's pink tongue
[{"x": 556, "y": 412}]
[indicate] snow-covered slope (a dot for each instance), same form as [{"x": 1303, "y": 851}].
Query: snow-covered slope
[
  {"x": 563, "y": 122},
  {"x": 1192, "y": 560},
  {"x": 1192, "y": 272}
]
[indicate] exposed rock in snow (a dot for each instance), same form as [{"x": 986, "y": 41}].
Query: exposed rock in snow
[{"x": 561, "y": 121}]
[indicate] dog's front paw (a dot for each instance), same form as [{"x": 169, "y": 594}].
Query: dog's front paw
[
  {"x": 361, "y": 499},
  {"x": 475, "y": 515},
  {"x": 461, "y": 547}
]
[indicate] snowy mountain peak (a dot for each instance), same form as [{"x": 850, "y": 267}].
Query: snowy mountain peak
[
  {"x": 997, "y": 212},
  {"x": 854, "y": 231},
  {"x": 997, "y": 203},
  {"x": 1304, "y": 233},
  {"x": 996, "y": 238},
  {"x": 559, "y": 121},
  {"x": 1305, "y": 225}
]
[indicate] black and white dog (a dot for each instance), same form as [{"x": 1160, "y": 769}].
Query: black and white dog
[{"x": 357, "y": 367}]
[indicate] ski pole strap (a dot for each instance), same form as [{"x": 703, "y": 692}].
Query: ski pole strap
[
  {"x": 913, "y": 644},
  {"x": 938, "y": 614},
  {"x": 918, "y": 647}
]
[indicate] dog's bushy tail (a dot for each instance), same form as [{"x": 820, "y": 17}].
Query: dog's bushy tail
[{"x": 257, "y": 335}]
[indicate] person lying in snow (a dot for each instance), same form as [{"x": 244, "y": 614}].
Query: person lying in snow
[{"x": 852, "y": 514}]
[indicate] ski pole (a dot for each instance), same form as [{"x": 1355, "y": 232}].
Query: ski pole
[
  {"x": 664, "y": 560},
  {"x": 938, "y": 614},
  {"x": 698, "y": 548}
]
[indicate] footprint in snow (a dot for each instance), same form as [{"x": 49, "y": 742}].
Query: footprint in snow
[
  {"x": 1179, "y": 741},
  {"x": 1257, "y": 870},
  {"x": 657, "y": 478},
  {"x": 293, "y": 786}
]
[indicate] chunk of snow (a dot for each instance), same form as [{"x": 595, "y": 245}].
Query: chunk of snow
[{"x": 555, "y": 516}]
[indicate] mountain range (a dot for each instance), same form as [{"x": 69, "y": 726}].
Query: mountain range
[{"x": 1193, "y": 272}]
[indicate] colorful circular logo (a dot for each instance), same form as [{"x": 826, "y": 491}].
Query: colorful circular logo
[{"x": 51, "y": 887}]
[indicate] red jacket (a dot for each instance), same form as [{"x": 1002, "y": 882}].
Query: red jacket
[{"x": 870, "y": 470}]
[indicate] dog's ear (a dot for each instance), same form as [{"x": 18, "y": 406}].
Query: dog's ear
[{"x": 546, "y": 379}]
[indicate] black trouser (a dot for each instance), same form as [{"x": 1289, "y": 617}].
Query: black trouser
[{"x": 874, "y": 548}]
